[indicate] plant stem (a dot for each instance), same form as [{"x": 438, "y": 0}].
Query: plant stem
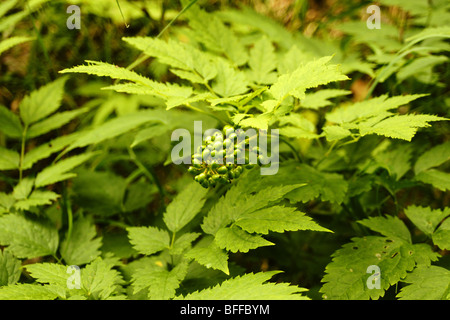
[
  {"x": 22, "y": 151},
  {"x": 294, "y": 151},
  {"x": 148, "y": 173}
]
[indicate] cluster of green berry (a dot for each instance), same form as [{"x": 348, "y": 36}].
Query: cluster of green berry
[{"x": 223, "y": 156}]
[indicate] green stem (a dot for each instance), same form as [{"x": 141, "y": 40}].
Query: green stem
[
  {"x": 294, "y": 151},
  {"x": 148, "y": 173},
  {"x": 22, "y": 151}
]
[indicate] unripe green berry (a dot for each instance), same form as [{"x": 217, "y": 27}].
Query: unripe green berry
[
  {"x": 206, "y": 153},
  {"x": 222, "y": 170}
]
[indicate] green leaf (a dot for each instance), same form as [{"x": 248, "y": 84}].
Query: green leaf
[
  {"x": 101, "y": 192},
  {"x": 425, "y": 218},
  {"x": 23, "y": 189},
  {"x": 333, "y": 133},
  {"x": 161, "y": 283},
  {"x": 238, "y": 201},
  {"x": 438, "y": 179},
  {"x": 249, "y": 287},
  {"x": 441, "y": 237},
  {"x": 61, "y": 170},
  {"x": 320, "y": 99},
  {"x": 53, "y": 122},
  {"x": 369, "y": 108},
  {"x": 327, "y": 186},
  {"x": 103, "y": 69},
  {"x": 186, "y": 61},
  {"x": 309, "y": 75},
  {"x": 26, "y": 291},
  {"x": 185, "y": 206},
  {"x": 100, "y": 281},
  {"x": 346, "y": 276},
  {"x": 10, "y": 124},
  {"x": 396, "y": 160},
  {"x": 229, "y": 81},
  {"x": 235, "y": 239},
  {"x": 82, "y": 246},
  {"x": 210, "y": 30},
  {"x": 262, "y": 62},
  {"x": 12, "y": 42},
  {"x": 183, "y": 242},
  {"x": 9, "y": 268},
  {"x": 49, "y": 273},
  {"x": 427, "y": 283},
  {"x": 9, "y": 159},
  {"x": 36, "y": 198},
  {"x": 433, "y": 157},
  {"x": 210, "y": 256},
  {"x": 45, "y": 150},
  {"x": 277, "y": 219},
  {"x": 148, "y": 240},
  {"x": 42, "y": 102},
  {"x": 28, "y": 238},
  {"x": 389, "y": 226},
  {"x": 400, "y": 126},
  {"x": 117, "y": 126}
]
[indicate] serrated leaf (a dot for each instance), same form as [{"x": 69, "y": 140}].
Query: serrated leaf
[
  {"x": 49, "y": 273},
  {"x": 346, "y": 276},
  {"x": 185, "y": 206},
  {"x": 262, "y": 61},
  {"x": 249, "y": 287},
  {"x": 23, "y": 189},
  {"x": 12, "y": 42},
  {"x": 117, "y": 126},
  {"x": 148, "y": 240},
  {"x": 210, "y": 256},
  {"x": 212, "y": 32},
  {"x": 37, "y": 198},
  {"x": 99, "y": 191},
  {"x": 61, "y": 170},
  {"x": 425, "y": 218},
  {"x": 388, "y": 226},
  {"x": 103, "y": 69},
  {"x": 9, "y": 159},
  {"x": 9, "y": 123},
  {"x": 239, "y": 201},
  {"x": 235, "y": 239},
  {"x": 427, "y": 283},
  {"x": 45, "y": 150},
  {"x": 320, "y": 99},
  {"x": 42, "y": 102},
  {"x": 438, "y": 179},
  {"x": 433, "y": 157},
  {"x": 309, "y": 75},
  {"x": 401, "y": 126},
  {"x": 9, "y": 268},
  {"x": 161, "y": 283},
  {"x": 183, "y": 243},
  {"x": 99, "y": 280},
  {"x": 369, "y": 108},
  {"x": 277, "y": 219},
  {"x": 333, "y": 133},
  {"x": 229, "y": 81},
  {"x": 82, "y": 247},
  {"x": 28, "y": 238},
  {"x": 186, "y": 61},
  {"x": 441, "y": 237},
  {"x": 26, "y": 291},
  {"x": 53, "y": 122}
]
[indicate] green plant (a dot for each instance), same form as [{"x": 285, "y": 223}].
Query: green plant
[{"x": 88, "y": 177}]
